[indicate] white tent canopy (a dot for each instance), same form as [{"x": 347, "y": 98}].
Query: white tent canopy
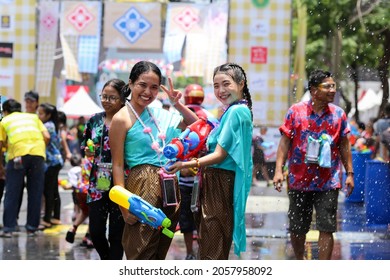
[
  {"x": 80, "y": 104},
  {"x": 369, "y": 100}
]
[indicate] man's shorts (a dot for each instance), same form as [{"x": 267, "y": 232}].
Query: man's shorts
[{"x": 301, "y": 210}]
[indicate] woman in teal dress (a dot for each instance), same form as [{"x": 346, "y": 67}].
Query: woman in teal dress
[
  {"x": 138, "y": 135},
  {"x": 226, "y": 169}
]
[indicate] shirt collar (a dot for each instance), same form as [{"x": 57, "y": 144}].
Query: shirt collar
[{"x": 311, "y": 110}]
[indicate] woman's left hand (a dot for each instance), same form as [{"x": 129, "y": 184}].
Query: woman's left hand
[{"x": 173, "y": 94}]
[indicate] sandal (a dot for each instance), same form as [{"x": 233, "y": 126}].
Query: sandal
[
  {"x": 44, "y": 225},
  {"x": 55, "y": 221},
  {"x": 86, "y": 242},
  {"x": 90, "y": 244}
]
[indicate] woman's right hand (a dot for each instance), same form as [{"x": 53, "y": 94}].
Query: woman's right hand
[
  {"x": 128, "y": 217},
  {"x": 88, "y": 152},
  {"x": 174, "y": 95}
]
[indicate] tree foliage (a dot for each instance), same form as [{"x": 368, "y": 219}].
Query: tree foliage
[{"x": 346, "y": 36}]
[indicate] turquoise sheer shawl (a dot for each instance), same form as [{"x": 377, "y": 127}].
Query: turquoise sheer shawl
[{"x": 234, "y": 135}]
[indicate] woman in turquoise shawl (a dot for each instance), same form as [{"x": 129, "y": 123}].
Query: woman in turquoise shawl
[{"x": 226, "y": 169}]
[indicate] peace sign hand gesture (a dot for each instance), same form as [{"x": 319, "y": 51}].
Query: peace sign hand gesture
[{"x": 173, "y": 94}]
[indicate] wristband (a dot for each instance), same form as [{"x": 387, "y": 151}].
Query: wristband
[
  {"x": 197, "y": 163},
  {"x": 350, "y": 173}
]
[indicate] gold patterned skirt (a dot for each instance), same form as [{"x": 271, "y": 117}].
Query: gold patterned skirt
[
  {"x": 215, "y": 218},
  {"x": 141, "y": 241}
]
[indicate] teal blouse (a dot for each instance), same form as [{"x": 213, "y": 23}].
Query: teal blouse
[{"x": 138, "y": 145}]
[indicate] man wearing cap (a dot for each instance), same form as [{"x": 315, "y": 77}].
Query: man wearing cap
[{"x": 31, "y": 100}]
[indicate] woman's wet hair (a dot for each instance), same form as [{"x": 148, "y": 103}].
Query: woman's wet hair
[
  {"x": 238, "y": 74},
  {"x": 143, "y": 67}
]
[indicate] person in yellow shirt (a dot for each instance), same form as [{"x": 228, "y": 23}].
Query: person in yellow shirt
[{"x": 25, "y": 138}]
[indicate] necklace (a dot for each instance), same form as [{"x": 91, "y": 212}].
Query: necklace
[
  {"x": 147, "y": 129},
  {"x": 242, "y": 101}
]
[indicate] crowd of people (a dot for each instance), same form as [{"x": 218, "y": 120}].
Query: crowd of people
[{"x": 123, "y": 146}]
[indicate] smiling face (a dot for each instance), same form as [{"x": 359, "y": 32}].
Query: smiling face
[
  {"x": 144, "y": 90},
  {"x": 325, "y": 92},
  {"x": 226, "y": 90}
]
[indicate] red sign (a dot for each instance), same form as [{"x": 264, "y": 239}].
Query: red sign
[{"x": 259, "y": 55}]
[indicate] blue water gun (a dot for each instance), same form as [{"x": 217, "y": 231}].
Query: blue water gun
[{"x": 144, "y": 211}]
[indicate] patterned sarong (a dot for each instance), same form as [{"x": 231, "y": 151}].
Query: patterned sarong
[{"x": 141, "y": 241}]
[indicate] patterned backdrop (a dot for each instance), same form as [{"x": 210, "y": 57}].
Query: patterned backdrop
[
  {"x": 17, "y": 73},
  {"x": 259, "y": 40}
]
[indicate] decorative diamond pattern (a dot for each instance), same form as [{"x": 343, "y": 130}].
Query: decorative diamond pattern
[
  {"x": 80, "y": 17},
  {"x": 132, "y": 25},
  {"x": 187, "y": 19},
  {"x": 48, "y": 21}
]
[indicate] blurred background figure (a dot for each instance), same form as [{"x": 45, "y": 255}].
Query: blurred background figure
[
  {"x": 47, "y": 113},
  {"x": 193, "y": 98},
  {"x": 78, "y": 177},
  {"x": 31, "y": 101},
  {"x": 80, "y": 129},
  {"x": 73, "y": 141},
  {"x": 63, "y": 132},
  {"x": 380, "y": 126},
  {"x": 259, "y": 163}
]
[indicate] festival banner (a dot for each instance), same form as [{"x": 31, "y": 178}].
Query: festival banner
[
  {"x": 18, "y": 27},
  {"x": 195, "y": 51},
  {"x": 89, "y": 46},
  {"x": 69, "y": 45},
  {"x": 47, "y": 40},
  {"x": 186, "y": 17},
  {"x": 88, "y": 54},
  {"x": 181, "y": 18},
  {"x": 259, "y": 41},
  {"x": 7, "y": 16},
  {"x": 204, "y": 28},
  {"x": 80, "y": 17},
  {"x": 132, "y": 26},
  {"x": 216, "y": 32}
]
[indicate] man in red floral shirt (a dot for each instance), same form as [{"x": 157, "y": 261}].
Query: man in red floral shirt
[{"x": 314, "y": 141}]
